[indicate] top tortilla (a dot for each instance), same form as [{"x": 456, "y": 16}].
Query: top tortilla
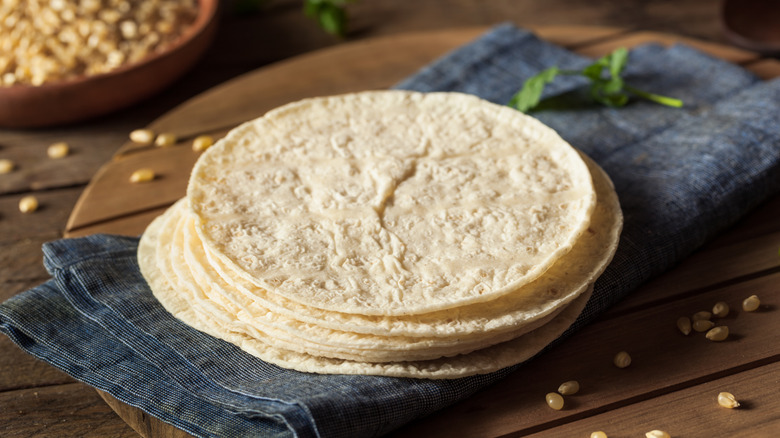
[{"x": 391, "y": 202}]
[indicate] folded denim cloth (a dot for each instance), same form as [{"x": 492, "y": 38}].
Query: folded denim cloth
[{"x": 682, "y": 176}]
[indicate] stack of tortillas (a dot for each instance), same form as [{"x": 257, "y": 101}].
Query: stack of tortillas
[{"x": 391, "y": 233}]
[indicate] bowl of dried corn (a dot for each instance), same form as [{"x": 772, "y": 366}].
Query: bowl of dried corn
[{"x": 63, "y": 61}]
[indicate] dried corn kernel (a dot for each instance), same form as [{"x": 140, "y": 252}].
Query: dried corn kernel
[
  {"x": 751, "y": 303},
  {"x": 142, "y": 175},
  {"x": 554, "y": 400},
  {"x": 684, "y": 324},
  {"x": 703, "y": 325},
  {"x": 6, "y": 166},
  {"x": 719, "y": 333},
  {"x": 202, "y": 142},
  {"x": 598, "y": 434},
  {"x": 58, "y": 150},
  {"x": 727, "y": 400},
  {"x": 28, "y": 204},
  {"x": 703, "y": 315},
  {"x": 657, "y": 434},
  {"x": 55, "y": 40},
  {"x": 569, "y": 388},
  {"x": 720, "y": 309},
  {"x": 142, "y": 136},
  {"x": 622, "y": 359},
  {"x": 165, "y": 139}
]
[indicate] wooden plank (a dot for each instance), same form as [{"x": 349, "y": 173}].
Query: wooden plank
[
  {"x": 694, "y": 411},
  {"x": 71, "y": 410},
  {"x": 663, "y": 361},
  {"x": 19, "y": 370},
  {"x": 45, "y": 223},
  {"x": 23, "y": 261},
  {"x": 707, "y": 268},
  {"x": 760, "y": 222}
]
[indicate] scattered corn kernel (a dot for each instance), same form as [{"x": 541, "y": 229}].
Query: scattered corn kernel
[
  {"x": 6, "y": 166},
  {"x": 727, "y": 400},
  {"x": 569, "y": 388},
  {"x": 165, "y": 139},
  {"x": 554, "y": 400},
  {"x": 622, "y": 359},
  {"x": 751, "y": 303},
  {"x": 142, "y": 175},
  {"x": 657, "y": 434},
  {"x": 719, "y": 333},
  {"x": 202, "y": 142},
  {"x": 703, "y": 315},
  {"x": 684, "y": 324},
  {"x": 598, "y": 434},
  {"x": 28, "y": 204},
  {"x": 720, "y": 309},
  {"x": 703, "y": 325},
  {"x": 58, "y": 150},
  {"x": 142, "y": 136}
]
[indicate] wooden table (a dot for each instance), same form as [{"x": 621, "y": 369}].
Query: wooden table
[{"x": 674, "y": 379}]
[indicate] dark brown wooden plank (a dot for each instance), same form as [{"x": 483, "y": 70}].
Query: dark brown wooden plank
[
  {"x": 71, "y": 410},
  {"x": 34, "y": 170},
  {"x": 46, "y": 223},
  {"x": 663, "y": 361},
  {"x": 709, "y": 267},
  {"x": 23, "y": 234},
  {"x": 694, "y": 411},
  {"x": 760, "y": 222},
  {"x": 19, "y": 370}
]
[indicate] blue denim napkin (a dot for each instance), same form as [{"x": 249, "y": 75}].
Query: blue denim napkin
[{"x": 682, "y": 176}]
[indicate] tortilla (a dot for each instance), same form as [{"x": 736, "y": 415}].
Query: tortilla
[{"x": 391, "y": 202}]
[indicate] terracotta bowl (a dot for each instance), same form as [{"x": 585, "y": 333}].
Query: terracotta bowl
[
  {"x": 26, "y": 106},
  {"x": 752, "y": 24}
]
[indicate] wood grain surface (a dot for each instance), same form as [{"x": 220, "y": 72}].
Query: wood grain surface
[{"x": 671, "y": 391}]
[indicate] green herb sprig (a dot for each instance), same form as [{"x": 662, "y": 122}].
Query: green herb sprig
[
  {"x": 608, "y": 89},
  {"x": 330, "y": 14}
]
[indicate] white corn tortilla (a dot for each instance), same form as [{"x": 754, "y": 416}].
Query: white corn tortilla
[
  {"x": 212, "y": 321},
  {"x": 278, "y": 331},
  {"x": 560, "y": 284},
  {"x": 391, "y": 202},
  {"x": 533, "y": 306}
]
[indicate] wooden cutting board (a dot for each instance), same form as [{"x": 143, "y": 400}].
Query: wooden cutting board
[{"x": 110, "y": 204}]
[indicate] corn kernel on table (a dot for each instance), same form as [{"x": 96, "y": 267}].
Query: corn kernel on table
[{"x": 673, "y": 382}]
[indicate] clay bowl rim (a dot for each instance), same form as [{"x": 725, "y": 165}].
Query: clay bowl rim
[{"x": 737, "y": 37}]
